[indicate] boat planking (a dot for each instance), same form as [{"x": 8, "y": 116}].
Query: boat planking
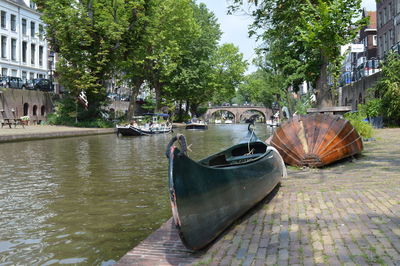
[
  {"x": 316, "y": 140},
  {"x": 209, "y": 195}
]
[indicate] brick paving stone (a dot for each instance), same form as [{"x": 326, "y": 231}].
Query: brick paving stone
[{"x": 343, "y": 214}]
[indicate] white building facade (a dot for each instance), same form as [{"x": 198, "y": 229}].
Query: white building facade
[{"x": 23, "y": 46}]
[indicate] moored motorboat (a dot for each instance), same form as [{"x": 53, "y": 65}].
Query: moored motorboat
[
  {"x": 197, "y": 125},
  {"x": 208, "y": 195},
  {"x": 154, "y": 127},
  {"x": 316, "y": 140},
  {"x": 130, "y": 130}
]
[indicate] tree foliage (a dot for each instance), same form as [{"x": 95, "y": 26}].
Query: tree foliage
[
  {"x": 229, "y": 68},
  {"x": 303, "y": 37},
  {"x": 169, "y": 45},
  {"x": 388, "y": 88},
  {"x": 262, "y": 87},
  {"x": 191, "y": 81},
  {"x": 88, "y": 36}
]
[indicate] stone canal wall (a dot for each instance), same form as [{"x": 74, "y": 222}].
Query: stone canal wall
[
  {"x": 356, "y": 92},
  {"x": 15, "y": 103}
]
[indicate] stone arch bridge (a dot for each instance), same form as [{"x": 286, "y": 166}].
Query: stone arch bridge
[{"x": 238, "y": 111}]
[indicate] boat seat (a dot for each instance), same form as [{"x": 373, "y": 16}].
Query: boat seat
[{"x": 243, "y": 157}]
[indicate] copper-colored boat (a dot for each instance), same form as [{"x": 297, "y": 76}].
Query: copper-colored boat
[{"x": 316, "y": 140}]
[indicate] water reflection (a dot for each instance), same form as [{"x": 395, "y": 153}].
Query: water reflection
[{"x": 88, "y": 200}]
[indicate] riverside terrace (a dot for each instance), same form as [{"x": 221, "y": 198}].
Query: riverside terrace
[{"x": 344, "y": 214}]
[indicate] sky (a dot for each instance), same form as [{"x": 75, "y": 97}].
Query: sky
[{"x": 235, "y": 27}]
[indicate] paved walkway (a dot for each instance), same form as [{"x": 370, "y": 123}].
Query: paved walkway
[
  {"x": 19, "y": 133},
  {"x": 345, "y": 214}
]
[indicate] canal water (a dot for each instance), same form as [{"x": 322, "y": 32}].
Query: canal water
[{"x": 89, "y": 200}]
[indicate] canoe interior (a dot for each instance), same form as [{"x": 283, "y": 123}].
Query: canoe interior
[
  {"x": 209, "y": 195},
  {"x": 240, "y": 153},
  {"x": 316, "y": 140}
]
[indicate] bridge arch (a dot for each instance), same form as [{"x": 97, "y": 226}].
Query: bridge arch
[
  {"x": 238, "y": 111},
  {"x": 223, "y": 110},
  {"x": 252, "y": 113}
]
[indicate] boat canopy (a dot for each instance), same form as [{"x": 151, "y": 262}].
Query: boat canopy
[{"x": 162, "y": 115}]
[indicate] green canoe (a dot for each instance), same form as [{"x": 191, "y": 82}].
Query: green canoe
[{"x": 208, "y": 195}]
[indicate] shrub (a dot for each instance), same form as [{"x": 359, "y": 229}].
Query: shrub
[
  {"x": 357, "y": 119},
  {"x": 373, "y": 108}
]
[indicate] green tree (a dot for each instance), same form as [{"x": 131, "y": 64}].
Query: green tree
[
  {"x": 388, "y": 88},
  {"x": 191, "y": 81},
  {"x": 303, "y": 38},
  {"x": 88, "y": 37},
  {"x": 261, "y": 87},
  {"x": 171, "y": 31},
  {"x": 229, "y": 68}
]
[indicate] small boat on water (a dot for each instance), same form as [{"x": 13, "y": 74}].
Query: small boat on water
[
  {"x": 209, "y": 195},
  {"x": 217, "y": 121},
  {"x": 197, "y": 125},
  {"x": 154, "y": 127},
  {"x": 130, "y": 130},
  {"x": 228, "y": 121},
  {"x": 316, "y": 140}
]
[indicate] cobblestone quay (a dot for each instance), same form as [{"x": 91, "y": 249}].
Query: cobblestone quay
[{"x": 344, "y": 214}]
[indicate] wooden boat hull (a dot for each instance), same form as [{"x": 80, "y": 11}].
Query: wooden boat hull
[
  {"x": 209, "y": 195},
  {"x": 316, "y": 140},
  {"x": 134, "y": 131}
]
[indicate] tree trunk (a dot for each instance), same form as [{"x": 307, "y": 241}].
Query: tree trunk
[
  {"x": 187, "y": 107},
  {"x": 324, "y": 94},
  {"x": 132, "y": 102},
  {"x": 180, "y": 112},
  {"x": 157, "y": 90}
]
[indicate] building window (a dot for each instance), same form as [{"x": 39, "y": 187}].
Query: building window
[
  {"x": 34, "y": 110},
  {"x": 386, "y": 44},
  {"x": 24, "y": 26},
  {"x": 384, "y": 16},
  {"x": 4, "y": 71},
  {"x": 3, "y": 47},
  {"x": 32, "y": 4},
  {"x": 41, "y": 32},
  {"x": 24, "y": 75},
  {"x": 13, "y": 49},
  {"x": 391, "y": 38},
  {"x": 31, "y": 75},
  {"x": 374, "y": 40},
  {"x": 380, "y": 44},
  {"x": 13, "y": 22},
  {"x": 40, "y": 55},
  {"x": 24, "y": 51},
  {"x": 398, "y": 6},
  {"x": 3, "y": 19},
  {"x": 32, "y": 29},
  {"x": 14, "y": 72},
  {"x": 380, "y": 20},
  {"x": 33, "y": 51}
]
